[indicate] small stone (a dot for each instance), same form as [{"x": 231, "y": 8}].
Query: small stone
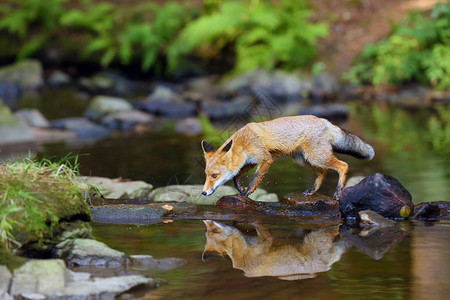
[
  {"x": 111, "y": 189},
  {"x": 328, "y": 111},
  {"x": 87, "y": 252},
  {"x": 369, "y": 217},
  {"x": 405, "y": 211},
  {"x": 84, "y": 128},
  {"x": 102, "y": 105},
  {"x": 32, "y": 117},
  {"x": 269, "y": 197},
  {"x": 432, "y": 210},
  {"x": 354, "y": 180},
  {"x": 189, "y": 126},
  {"x": 112, "y": 286},
  {"x": 58, "y": 79},
  {"x": 145, "y": 262}
]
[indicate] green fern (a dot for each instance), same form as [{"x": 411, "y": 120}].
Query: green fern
[
  {"x": 264, "y": 34},
  {"x": 418, "y": 50}
]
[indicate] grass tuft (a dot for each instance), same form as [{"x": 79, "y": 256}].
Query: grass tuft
[{"x": 34, "y": 196}]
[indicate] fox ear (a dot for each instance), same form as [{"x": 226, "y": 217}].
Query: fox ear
[
  {"x": 228, "y": 146},
  {"x": 207, "y": 147}
]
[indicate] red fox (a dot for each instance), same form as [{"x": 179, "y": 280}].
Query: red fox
[
  {"x": 308, "y": 140},
  {"x": 267, "y": 255}
]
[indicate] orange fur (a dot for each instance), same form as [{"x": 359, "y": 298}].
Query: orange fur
[
  {"x": 267, "y": 255},
  {"x": 308, "y": 140}
]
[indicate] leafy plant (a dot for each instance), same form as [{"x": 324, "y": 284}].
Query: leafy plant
[
  {"x": 262, "y": 33},
  {"x": 418, "y": 50},
  {"x": 102, "y": 29},
  {"x": 20, "y": 17}
]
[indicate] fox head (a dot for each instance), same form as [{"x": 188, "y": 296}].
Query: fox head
[
  {"x": 219, "y": 238},
  {"x": 219, "y": 166}
]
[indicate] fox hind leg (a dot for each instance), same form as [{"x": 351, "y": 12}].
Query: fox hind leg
[
  {"x": 318, "y": 182},
  {"x": 322, "y": 161},
  {"x": 342, "y": 168}
]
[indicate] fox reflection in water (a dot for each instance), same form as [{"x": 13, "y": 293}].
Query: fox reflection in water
[{"x": 289, "y": 258}]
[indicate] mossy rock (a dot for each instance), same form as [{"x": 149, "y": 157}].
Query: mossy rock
[
  {"x": 39, "y": 201},
  {"x": 26, "y": 74},
  {"x": 13, "y": 130},
  {"x": 8, "y": 259},
  {"x": 193, "y": 194}
]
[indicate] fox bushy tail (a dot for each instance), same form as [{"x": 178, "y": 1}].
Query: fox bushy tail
[{"x": 349, "y": 143}]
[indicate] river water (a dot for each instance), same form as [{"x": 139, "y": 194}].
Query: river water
[{"x": 417, "y": 265}]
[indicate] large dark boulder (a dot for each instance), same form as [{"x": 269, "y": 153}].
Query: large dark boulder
[{"x": 380, "y": 193}]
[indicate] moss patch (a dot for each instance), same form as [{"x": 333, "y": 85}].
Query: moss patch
[{"x": 34, "y": 198}]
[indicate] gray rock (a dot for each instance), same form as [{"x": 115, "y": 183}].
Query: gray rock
[
  {"x": 5, "y": 277},
  {"x": 26, "y": 74},
  {"x": 237, "y": 106},
  {"x": 84, "y": 128},
  {"x": 165, "y": 102},
  {"x": 87, "y": 252},
  {"x": 43, "y": 135},
  {"x": 189, "y": 126},
  {"x": 13, "y": 130},
  {"x": 324, "y": 86},
  {"x": 248, "y": 83},
  {"x": 126, "y": 120},
  {"x": 193, "y": 194},
  {"x": 432, "y": 210},
  {"x": 131, "y": 214},
  {"x": 148, "y": 262},
  {"x": 32, "y": 117},
  {"x": 58, "y": 78},
  {"x": 268, "y": 197},
  {"x": 111, "y": 83},
  {"x": 5, "y": 296},
  {"x": 9, "y": 94},
  {"x": 279, "y": 85},
  {"x": 112, "y": 286},
  {"x": 111, "y": 189},
  {"x": 328, "y": 111},
  {"x": 288, "y": 86},
  {"x": 354, "y": 180},
  {"x": 46, "y": 277},
  {"x": 102, "y": 105},
  {"x": 43, "y": 279},
  {"x": 371, "y": 218}
]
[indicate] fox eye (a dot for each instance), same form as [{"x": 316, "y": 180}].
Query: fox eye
[
  {"x": 214, "y": 175},
  {"x": 214, "y": 230}
]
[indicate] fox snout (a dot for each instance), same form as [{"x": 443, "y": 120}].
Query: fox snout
[{"x": 207, "y": 192}]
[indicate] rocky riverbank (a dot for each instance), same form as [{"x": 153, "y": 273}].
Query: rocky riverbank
[
  {"x": 108, "y": 103},
  {"x": 370, "y": 205}
]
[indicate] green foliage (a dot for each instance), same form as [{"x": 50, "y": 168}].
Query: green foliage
[
  {"x": 265, "y": 33},
  {"x": 32, "y": 196},
  {"x": 106, "y": 31},
  {"x": 418, "y": 50},
  {"x": 262, "y": 34}
]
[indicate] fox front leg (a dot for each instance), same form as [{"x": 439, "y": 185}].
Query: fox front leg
[
  {"x": 237, "y": 185},
  {"x": 261, "y": 171}
]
